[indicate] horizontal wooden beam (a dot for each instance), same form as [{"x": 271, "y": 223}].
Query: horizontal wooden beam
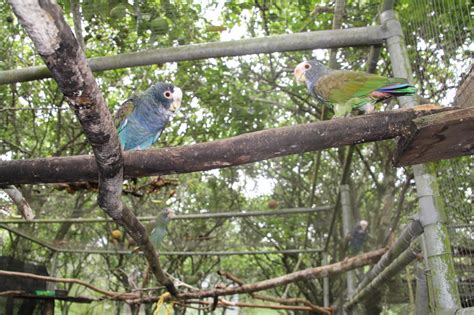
[
  {"x": 242, "y": 149},
  {"x": 437, "y": 137},
  {"x": 360, "y": 36}
]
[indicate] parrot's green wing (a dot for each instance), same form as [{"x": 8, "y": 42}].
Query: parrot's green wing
[
  {"x": 120, "y": 117},
  {"x": 339, "y": 86}
]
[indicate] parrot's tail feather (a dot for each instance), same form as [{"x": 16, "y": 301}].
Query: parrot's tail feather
[{"x": 399, "y": 89}]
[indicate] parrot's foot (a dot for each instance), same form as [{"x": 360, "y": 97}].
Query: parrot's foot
[
  {"x": 341, "y": 110},
  {"x": 426, "y": 107},
  {"x": 369, "y": 108}
]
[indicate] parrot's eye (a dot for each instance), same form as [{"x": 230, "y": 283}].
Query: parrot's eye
[
  {"x": 307, "y": 66},
  {"x": 168, "y": 94}
]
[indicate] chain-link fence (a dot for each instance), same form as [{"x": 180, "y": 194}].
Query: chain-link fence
[{"x": 439, "y": 40}]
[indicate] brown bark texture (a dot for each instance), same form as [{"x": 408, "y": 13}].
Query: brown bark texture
[
  {"x": 44, "y": 23},
  {"x": 238, "y": 150}
]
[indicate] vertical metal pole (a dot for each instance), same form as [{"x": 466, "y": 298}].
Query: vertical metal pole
[
  {"x": 347, "y": 224},
  {"x": 421, "y": 299},
  {"x": 326, "y": 282},
  {"x": 432, "y": 214},
  {"x": 53, "y": 271}
]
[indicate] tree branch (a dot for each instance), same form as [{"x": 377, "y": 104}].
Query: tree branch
[
  {"x": 66, "y": 280},
  {"x": 20, "y": 202},
  {"x": 315, "y": 308},
  {"x": 311, "y": 273},
  {"x": 45, "y": 25},
  {"x": 242, "y": 149}
]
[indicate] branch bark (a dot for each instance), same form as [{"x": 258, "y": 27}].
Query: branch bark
[
  {"x": 311, "y": 273},
  {"x": 263, "y": 297},
  {"x": 26, "y": 275},
  {"x": 44, "y": 23},
  {"x": 242, "y": 149},
  {"x": 20, "y": 202}
]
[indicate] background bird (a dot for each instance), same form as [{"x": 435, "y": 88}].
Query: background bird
[
  {"x": 347, "y": 90},
  {"x": 160, "y": 227},
  {"x": 141, "y": 119},
  {"x": 358, "y": 237}
]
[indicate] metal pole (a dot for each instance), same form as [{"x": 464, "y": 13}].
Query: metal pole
[
  {"x": 210, "y": 215},
  {"x": 53, "y": 271},
  {"x": 422, "y": 304},
  {"x": 360, "y": 36},
  {"x": 410, "y": 232},
  {"x": 326, "y": 282},
  {"x": 347, "y": 225},
  {"x": 191, "y": 253},
  {"x": 432, "y": 215},
  {"x": 395, "y": 267}
]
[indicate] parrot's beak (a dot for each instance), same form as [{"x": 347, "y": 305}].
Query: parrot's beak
[
  {"x": 177, "y": 97},
  {"x": 299, "y": 72}
]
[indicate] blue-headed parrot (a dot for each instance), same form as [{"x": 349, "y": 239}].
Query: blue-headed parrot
[
  {"x": 347, "y": 90},
  {"x": 141, "y": 119}
]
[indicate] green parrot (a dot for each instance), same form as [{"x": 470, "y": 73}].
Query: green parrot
[
  {"x": 347, "y": 90},
  {"x": 160, "y": 227}
]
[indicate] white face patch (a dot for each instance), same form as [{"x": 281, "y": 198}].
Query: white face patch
[
  {"x": 177, "y": 97},
  {"x": 300, "y": 71},
  {"x": 364, "y": 224}
]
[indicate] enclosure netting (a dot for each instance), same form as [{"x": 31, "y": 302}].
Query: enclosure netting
[{"x": 439, "y": 40}]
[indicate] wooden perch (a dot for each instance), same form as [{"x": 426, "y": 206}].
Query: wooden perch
[
  {"x": 56, "y": 44},
  {"x": 314, "y": 308},
  {"x": 242, "y": 149},
  {"x": 230, "y": 304},
  {"x": 440, "y": 136},
  {"x": 26, "y": 275},
  {"x": 310, "y": 273}
]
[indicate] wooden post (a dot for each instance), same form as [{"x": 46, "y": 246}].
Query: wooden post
[{"x": 347, "y": 225}]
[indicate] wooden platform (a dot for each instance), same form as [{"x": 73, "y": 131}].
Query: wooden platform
[{"x": 436, "y": 137}]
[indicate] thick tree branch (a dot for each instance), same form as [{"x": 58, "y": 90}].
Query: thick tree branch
[
  {"x": 45, "y": 25},
  {"x": 242, "y": 149}
]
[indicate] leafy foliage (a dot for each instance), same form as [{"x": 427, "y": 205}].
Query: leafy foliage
[{"x": 222, "y": 98}]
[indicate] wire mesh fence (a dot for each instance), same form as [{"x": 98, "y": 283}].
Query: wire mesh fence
[
  {"x": 439, "y": 40},
  {"x": 456, "y": 182}
]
